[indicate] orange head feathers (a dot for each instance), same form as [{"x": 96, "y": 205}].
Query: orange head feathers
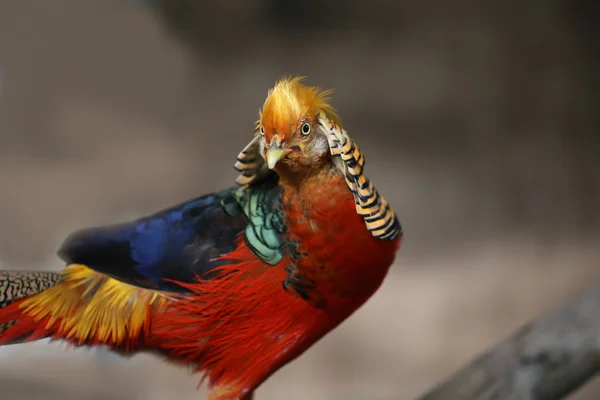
[{"x": 291, "y": 139}]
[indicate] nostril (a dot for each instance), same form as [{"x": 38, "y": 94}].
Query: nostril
[
  {"x": 276, "y": 141},
  {"x": 296, "y": 148}
]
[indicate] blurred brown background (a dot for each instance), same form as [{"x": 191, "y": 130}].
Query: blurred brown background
[{"x": 479, "y": 120}]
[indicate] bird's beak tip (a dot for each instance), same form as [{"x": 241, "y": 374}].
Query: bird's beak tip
[{"x": 274, "y": 155}]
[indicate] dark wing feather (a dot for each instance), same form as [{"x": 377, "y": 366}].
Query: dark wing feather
[
  {"x": 175, "y": 243},
  {"x": 181, "y": 242}
]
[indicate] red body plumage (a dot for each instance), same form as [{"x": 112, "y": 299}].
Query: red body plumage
[{"x": 243, "y": 327}]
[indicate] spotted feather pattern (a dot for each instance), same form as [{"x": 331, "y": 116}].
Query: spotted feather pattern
[{"x": 18, "y": 285}]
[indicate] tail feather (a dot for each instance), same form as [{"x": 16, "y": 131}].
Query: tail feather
[
  {"x": 15, "y": 286},
  {"x": 19, "y": 285},
  {"x": 78, "y": 305}
]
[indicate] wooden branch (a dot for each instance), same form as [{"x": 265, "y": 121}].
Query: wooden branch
[{"x": 546, "y": 359}]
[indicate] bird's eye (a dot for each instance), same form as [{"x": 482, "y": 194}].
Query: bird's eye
[
  {"x": 305, "y": 129},
  {"x": 262, "y": 130}
]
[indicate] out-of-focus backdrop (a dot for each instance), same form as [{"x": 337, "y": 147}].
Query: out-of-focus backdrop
[{"x": 479, "y": 121}]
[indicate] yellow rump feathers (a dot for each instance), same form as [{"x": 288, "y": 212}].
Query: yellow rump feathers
[
  {"x": 290, "y": 101},
  {"x": 93, "y": 308}
]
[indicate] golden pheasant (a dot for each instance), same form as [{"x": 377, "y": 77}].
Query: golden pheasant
[{"x": 236, "y": 283}]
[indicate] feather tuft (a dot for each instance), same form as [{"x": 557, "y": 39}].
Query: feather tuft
[{"x": 290, "y": 101}]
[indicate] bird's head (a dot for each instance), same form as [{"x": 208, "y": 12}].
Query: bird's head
[{"x": 291, "y": 138}]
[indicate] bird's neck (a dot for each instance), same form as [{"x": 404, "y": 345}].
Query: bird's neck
[
  {"x": 319, "y": 198},
  {"x": 314, "y": 171},
  {"x": 310, "y": 182}
]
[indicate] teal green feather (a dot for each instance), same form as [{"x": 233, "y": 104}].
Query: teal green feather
[{"x": 262, "y": 206}]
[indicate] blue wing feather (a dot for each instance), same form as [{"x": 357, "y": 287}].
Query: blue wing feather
[{"x": 176, "y": 243}]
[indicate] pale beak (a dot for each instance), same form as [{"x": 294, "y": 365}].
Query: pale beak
[{"x": 276, "y": 154}]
